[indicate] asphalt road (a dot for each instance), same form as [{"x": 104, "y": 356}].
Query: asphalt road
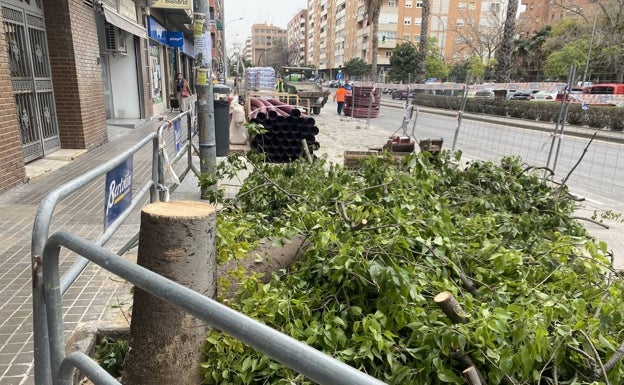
[{"x": 598, "y": 174}]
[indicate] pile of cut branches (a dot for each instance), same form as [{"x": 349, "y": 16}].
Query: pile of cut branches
[{"x": 537, "y": 301}]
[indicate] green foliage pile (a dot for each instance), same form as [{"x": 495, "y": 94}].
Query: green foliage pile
[{"x": 386, "y": 238}]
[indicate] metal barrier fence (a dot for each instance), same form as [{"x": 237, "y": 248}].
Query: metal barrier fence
[{"x": 53, "y": 366}]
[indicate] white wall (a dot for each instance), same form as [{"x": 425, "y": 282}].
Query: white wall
[{"x": 124, "y": 84}]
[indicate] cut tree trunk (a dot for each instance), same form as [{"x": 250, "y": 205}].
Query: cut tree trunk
[
  {"x": 265, "y": 260},
  {"x": 177, "y": 241}
]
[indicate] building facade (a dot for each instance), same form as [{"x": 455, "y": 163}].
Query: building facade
[
  {"x": 338, "y": 30},
  {"x": 264, "y": 39},
  {"x": 297, "y": 32},
  {"x": 540, "y": 13},
  {"x": 69, "y": 67}
]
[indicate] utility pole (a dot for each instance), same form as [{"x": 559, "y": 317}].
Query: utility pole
[{"x": 205, "y": 95}]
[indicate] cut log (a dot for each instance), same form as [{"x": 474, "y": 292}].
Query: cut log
[
  {"x": 451, "y": 307},
  {"x": 467, "y": 362},
  {"x": 265, "y": 260},
  {"x": 177, "y": 241},
  {"x": 471, "y": 376}
]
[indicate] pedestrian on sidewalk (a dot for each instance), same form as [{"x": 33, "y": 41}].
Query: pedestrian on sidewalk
[
  {"x": 182, "y": 91},
  {"x": 339, "y": 97}
]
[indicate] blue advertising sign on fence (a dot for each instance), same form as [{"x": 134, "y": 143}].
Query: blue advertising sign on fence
[
  {"x": 177, "y": 135},
  {"x": 118, "y": 195}
]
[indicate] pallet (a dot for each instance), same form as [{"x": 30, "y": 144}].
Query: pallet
[
  {"x": 240, "y": 149},
  {"x": 432, "y": 145}
]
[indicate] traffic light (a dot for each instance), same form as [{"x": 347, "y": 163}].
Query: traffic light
[{"x": 383, "y": 39}]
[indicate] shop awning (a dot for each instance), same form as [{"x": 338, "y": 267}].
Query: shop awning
[{"x": 123, "y": 22}]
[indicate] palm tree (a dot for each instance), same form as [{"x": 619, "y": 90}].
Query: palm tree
[
  {"x": 424, "y": 37},
  {"x": 504, "y": 52},
  {"x": 372, "y": 9}
]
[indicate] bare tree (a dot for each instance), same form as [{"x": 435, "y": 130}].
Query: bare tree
[{"x": 480, "y": 35}]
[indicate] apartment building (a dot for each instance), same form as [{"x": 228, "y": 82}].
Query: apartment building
[
  {"x": 265, "y": 37},
  {"x": 540, "y": 13},
  {"x": 338, "y": 30},
  {"x": 296, "y": 30}
]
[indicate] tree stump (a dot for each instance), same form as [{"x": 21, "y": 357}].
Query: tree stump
[{"x": 177, "y": 241}]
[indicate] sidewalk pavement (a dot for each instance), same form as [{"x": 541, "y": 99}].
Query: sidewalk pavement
[
  {"x": 95, "y": 293},
  {"x": 97, "y": 297}
]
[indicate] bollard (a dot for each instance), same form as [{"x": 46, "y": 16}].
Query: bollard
[{"x": 177, "y": 241}]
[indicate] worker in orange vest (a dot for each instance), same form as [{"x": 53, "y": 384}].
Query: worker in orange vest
[{"x": 339, "y": 97}]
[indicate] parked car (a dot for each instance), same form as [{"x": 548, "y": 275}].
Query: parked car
[
  {"x": 522, "y": 95},
  {"x": 485, "y": 93},
  {"x": 605, "y": 89},
  {"x": 544, "y": 96},
  {"x": 401, "y": 94},
  {"x": 334, "y": 84}
]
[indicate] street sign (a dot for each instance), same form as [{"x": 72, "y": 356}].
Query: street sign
[{"x": 339, "y": 76}]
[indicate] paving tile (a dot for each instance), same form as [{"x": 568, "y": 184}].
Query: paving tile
[{"x": 81, "y": 214}]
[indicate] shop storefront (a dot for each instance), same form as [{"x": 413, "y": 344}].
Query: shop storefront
[
  {"x": 170, "y": 52},
  {"x": 158, "y": 65},
  {"x": 118, "y": 35}
]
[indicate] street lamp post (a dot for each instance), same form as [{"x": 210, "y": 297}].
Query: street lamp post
[{"x": 225, "y": 64}]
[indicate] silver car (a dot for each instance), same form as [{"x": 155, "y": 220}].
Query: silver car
[{"x": 485, "y": 93}]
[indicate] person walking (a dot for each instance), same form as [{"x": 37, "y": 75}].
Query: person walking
[
  {"x": 182, "y": 91},
  {"x": 339, "y": 97}
]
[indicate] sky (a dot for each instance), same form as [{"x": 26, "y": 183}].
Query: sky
[{"x": 276, "y": 12}]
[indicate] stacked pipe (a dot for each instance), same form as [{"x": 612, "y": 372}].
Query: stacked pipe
[
  {"x": 363, "y": 102},
  {"x": 286, "y": 130}
]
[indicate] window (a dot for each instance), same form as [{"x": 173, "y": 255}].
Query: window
[
  {"x": 472, "y": 6},
  {"x": 407, "y": 21},
  {"x": 419, "y": 4},
  {"x": 417, "y": 38},
  {"x": 458, "y": 39},
  {"x": 408, "y": 3},
  {"x": 388, "y": 53},
  {"x": 418, "y": 21},
  {"x": 391, "y": 3},
  {"x": 461, "y": 5},
  {"x": 495, "y": 7},
  {"x": 405, "y": 37},
  {"x": 459, "y": 22}
]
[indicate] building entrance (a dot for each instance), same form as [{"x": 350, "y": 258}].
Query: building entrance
[{"x": 31, "y": 77}]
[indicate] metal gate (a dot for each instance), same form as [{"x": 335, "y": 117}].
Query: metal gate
[{"x": 31, "y": 77}]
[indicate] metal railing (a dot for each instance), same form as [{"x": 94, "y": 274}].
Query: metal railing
[{"x": 53, "y": 366}]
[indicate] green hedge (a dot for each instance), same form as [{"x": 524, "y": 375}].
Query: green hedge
[{"x": 611, "y": 118}]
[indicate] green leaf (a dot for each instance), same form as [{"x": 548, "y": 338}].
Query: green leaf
[{"x": 447, "y": 375}]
